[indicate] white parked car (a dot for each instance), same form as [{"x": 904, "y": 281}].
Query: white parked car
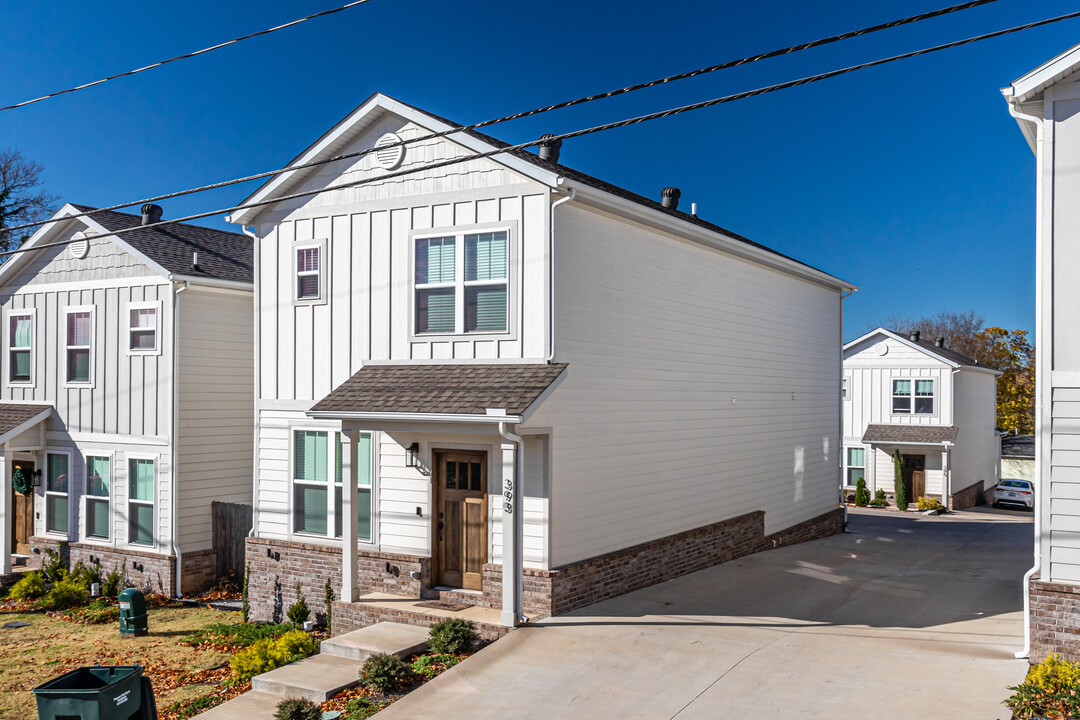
[{"x": 1014, "y": 492}]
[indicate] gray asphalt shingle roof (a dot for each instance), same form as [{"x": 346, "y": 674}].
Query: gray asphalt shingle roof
[
  {"x": 929, "y": 434},
  {"x": 1018, "y": 446},
  {"x": 455, "y": 389},
  {"x": 12, "y": 415},
  {"x": 222, "y": 255}
]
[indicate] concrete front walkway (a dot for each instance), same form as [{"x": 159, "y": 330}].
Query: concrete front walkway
[{"x": 906, "y": 616}]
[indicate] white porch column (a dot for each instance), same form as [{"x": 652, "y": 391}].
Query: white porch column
[
  {"x": 510, "y": 560},
  {"x": 350, "y": 567},
  {"x": 6, "y": 510},
  {"x": 946, "y": 478}
]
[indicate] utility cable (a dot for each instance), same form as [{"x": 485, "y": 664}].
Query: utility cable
[
  {"x": 186, "y": 56},
  {"x": 575, "y": 133},
  {"x": 536, "y": 111}
]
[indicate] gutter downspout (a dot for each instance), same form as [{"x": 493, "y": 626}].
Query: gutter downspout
[
  {"x": 551, "y": 289},
  {"x": 174, "y": 500},
  {"x": 840, "y": 435},
  {"x": 519, "y": 568},
  {"x": 1037, "y": 566},
  {"x": 258, "y": 384}
]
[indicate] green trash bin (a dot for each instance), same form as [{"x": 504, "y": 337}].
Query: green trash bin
[{"x": 101, "y": 692}]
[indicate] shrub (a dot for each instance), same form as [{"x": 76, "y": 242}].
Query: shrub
[
  {"x": 925, "y": 503},
  {"x": 235, "y": 636},
  {"x": 328, "y": 598},
  {"x": 269, "y": 653},
  {"x": 297, "y": 709},
  {"x": 384, "y": 673},
  {"x": 245, "y": 604},
  {"x": 362, "y": 708},
  {"x": 98, "y": 612},
  {"x": 431, "y": 665},
  {"x": 862, "y": 495},
  {"x": 30, "y": 586},
  {"x": 1051, "y": 688},
  {"x": 53, "y": 566},
  {"x": 64, "y": 594},
  {"x": 880, "y": 499},
  {"x": 452, "y": 635},
  {"x": 114, "y": 582},
  {"x": 1054, "y": 674},
  {"x": 298, "y": 612},
  {"x": 899, "y": 484},
  {"x": 84, "y": 576}
]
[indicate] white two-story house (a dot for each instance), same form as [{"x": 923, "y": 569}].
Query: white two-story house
[
  {"x": 470, "y": 369},
  {"x": 125, "y": 394},
  {"x": 936, "y": 406}
]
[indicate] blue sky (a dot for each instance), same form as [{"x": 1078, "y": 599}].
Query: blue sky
[{"x": 910, "y": 180}]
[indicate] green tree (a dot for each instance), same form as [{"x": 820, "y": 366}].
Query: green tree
[
  {"x": 21, "y": 199},
  {"x": 899, "y": 484}
]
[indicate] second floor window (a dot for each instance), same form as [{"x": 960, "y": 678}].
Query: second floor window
[
  {"x": 20, "y": 339},
  {"x": 913, "y": 396},
  {"x": 461, "y": 283},
  {"x": 143, "y": 329},
  {"x": 308, "y": 273},
  {"x": 79, "y": 338}
]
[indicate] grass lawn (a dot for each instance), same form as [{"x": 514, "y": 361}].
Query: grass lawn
[{"x": 49, "y": 647}]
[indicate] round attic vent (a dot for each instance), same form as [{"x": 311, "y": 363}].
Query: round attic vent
[
  {"x": 882, "y": 348},
  {"x": 389, "y": 157},
  {"x": 81, "y": 245}
]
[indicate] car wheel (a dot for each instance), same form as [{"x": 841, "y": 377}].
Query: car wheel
[{"x": 996, "y": 505}]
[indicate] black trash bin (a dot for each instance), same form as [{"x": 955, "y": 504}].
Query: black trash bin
[{"x": 101, "y": 692}]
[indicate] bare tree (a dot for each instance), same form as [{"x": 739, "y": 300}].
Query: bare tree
[
  {"x": 21, "y": 199},
  {"x": 960, "y": 329}
]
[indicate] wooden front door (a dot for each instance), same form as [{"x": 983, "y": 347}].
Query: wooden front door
[
  {"x": 22, "y": 506},
  {"x": 915, "y": 475},
  {"x": 461, "y": 519}
]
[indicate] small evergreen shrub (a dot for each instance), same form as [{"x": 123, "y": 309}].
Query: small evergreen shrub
[
  {"x": 880, "y": 499},
  {"x": 84, "y": 576},
  {"x": 297, "y": 709},
  {"x": 1051, "y": 688},
  {"x": 245, "y": 604},
  {"x": 64, "y": 594},
  {"x": 53, "y": 566},
  {"x": 236, "y": 635},
  {"x": 361, "y": 708},
  {"x": 899, "y": 483},
  {"x": 431, "y": 665},
  {"x": 925, "y": 503},
  {"x": 269, "y": 653},
  {"x": 452, "y": 636},
  {"x": 385, "y": 673},
  {"x": 862, "y": 495},
  {"x": 328, "y": 598},
  {"x": 298, "y": 612},
  {"x": 30, "y": 586},
  {"x": 114, "y": 582}
]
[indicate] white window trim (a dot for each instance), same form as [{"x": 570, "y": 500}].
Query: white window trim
[
  {"x": 87, "y": 497},
  {"x": 320, "y": 245},
  {"x": 848, "y": 467},
  {"x": 330, "y": 481},
  {"x": 153, "y": 503},
  {"x": 45, "y": 492},
  {"x": 32, "y": 314},
  {"x": 373, "y": 439},
  {"x": 156, "y": 307},
  {"x": 68, "y": 311},
  {"x": 458, "y": 232},
  {"x": 911, "y": 397},
  {"x": 844, "y": 394}
]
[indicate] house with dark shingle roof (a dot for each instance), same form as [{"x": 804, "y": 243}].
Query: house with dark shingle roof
[
  {"x": 126, "y": 389},
  {"x": 503, "y": 382},
  {"x": 936, "y": 406},
  {"x": 1018, "y": 457}
]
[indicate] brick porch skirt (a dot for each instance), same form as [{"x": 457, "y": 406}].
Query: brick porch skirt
[
  {"x": 1055, "y": 620},
  {"x": 277, "y": 567}
]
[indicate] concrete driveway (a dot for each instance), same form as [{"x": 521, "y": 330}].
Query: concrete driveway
[{"x": 906, "y": 616}]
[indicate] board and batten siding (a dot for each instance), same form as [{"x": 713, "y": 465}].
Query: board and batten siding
[
  {"x": 699, "y": 387},
  {"x": 215, "y": 370}
]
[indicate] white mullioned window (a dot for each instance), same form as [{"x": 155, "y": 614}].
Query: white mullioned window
[
  {"x": 141, "y": 487},
  {"x": 856, "y": 466},
  {"x": 79, "y": 347},
  {"x": 309, "y": 272},
  {"x": 461, "y": 283},
  {"x": 318, "y": 471},
  {"x": 843, "y": 388},
  {"x": 57, "y": 484},
  {"x": 21, "y": 347},
  {"x": 98, "y": 482},
  {"x": 143, "y": 327},
  {"x": 913, "y": 396}
]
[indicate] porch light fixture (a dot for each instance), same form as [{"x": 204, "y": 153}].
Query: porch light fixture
[
  {"x": 37, "y": 477},
  {"x": 412, "y": 455}
]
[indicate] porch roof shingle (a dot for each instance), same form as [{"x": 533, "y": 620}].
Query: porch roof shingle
[
  {"x": 926, "y": 434},
  {"x": 451, "y": 389},
  {"x": 12, "y": 415}
]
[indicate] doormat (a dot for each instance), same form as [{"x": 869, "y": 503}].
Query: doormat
[{"x": 442, "y": 605}]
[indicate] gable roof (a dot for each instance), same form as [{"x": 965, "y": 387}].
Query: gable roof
[
  {"x": 910, "y": 434},
  {"x": 929, "y": 347},
  {"x": 1018, "y": 446},
  {"x": 521, "y": 160},
  {"x": 225, "y": 258},
  {"x": 1026, "y": 92},
  {"x": 16, "y": 418}
]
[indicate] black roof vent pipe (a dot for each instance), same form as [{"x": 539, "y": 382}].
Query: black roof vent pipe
[
  {"x": 914, "y": 335},
  {"x": 151, "y": 213},
  {"x": 940, "y": 342},
  {"x": 549, "y": 149},
  {"x": 669, "y": 197}
]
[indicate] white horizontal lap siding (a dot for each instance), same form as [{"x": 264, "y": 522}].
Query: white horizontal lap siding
[
  {"x": 660, "y": 335},
  {"x": 535, "y": 501},
  {"x": 1064, "y": 486},
  {"x": 274, "y": 448},
  {"x": 216, "y": 400},
  {"x": 975, "y": 458},
  {"x": 400, "y": 490}
]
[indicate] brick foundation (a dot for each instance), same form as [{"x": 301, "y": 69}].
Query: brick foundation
[
  {"x": 277, "y": 566},
  {"x": 969, "y": 497},
  {"x": 1055, "y": 620}
]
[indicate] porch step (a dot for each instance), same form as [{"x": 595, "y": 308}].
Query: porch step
[
  {"x": 385, "y": 637},
  {"x": 317, "y": 678}
]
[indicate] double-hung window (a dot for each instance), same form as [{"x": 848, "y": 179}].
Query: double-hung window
[
  {"x": 141, "y": 501},
  {"x": 56, "y": 493},
  {"x": 318, "y": 471},
  {"x": 97, "y": 497},
  {"x": 20, "y": 347},
  {"x": 80, "y": 333},
  {"x": 913, "y": 396},
  {"x": 843, "y": 388},
  {"x": 309, "y": 272},
  {"x": 856, "y": 465},
  {"x": 143, "y": 328},
  {"x": 461, "y": 283}
]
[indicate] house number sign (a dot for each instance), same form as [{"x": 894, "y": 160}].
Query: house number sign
[{"x": 508, "y": 496}]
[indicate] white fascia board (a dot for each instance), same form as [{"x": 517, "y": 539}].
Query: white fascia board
[
  {"x": 913, "y": 345},
  {"x": 412, "y": 417},
  {"x": 694, "y": 233},
  {"x": 1028, "y": 86},
  {"x": 943, "y": 443},
  {"x": 20, "y": 429},
  {"x": 42, "y": 236},
  {"x": 212, "y": 282}
]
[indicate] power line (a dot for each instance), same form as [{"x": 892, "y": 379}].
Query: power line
[
  {"x": 185, "y": 56},
  {"x": 536, "y": 111},
  {"x": 579, "y": 133}
]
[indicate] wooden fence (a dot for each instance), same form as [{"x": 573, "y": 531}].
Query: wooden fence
[{"x": 232, "y": 522}]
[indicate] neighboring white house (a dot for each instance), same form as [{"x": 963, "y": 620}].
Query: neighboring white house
[
  {"x": 933, "y": 404},
  {"x": 1046, "y": 104},
  {"x": 1018, "y": 457},
  {"x": 125, "y": 394},
  {"x": 505, "y": 346}
]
